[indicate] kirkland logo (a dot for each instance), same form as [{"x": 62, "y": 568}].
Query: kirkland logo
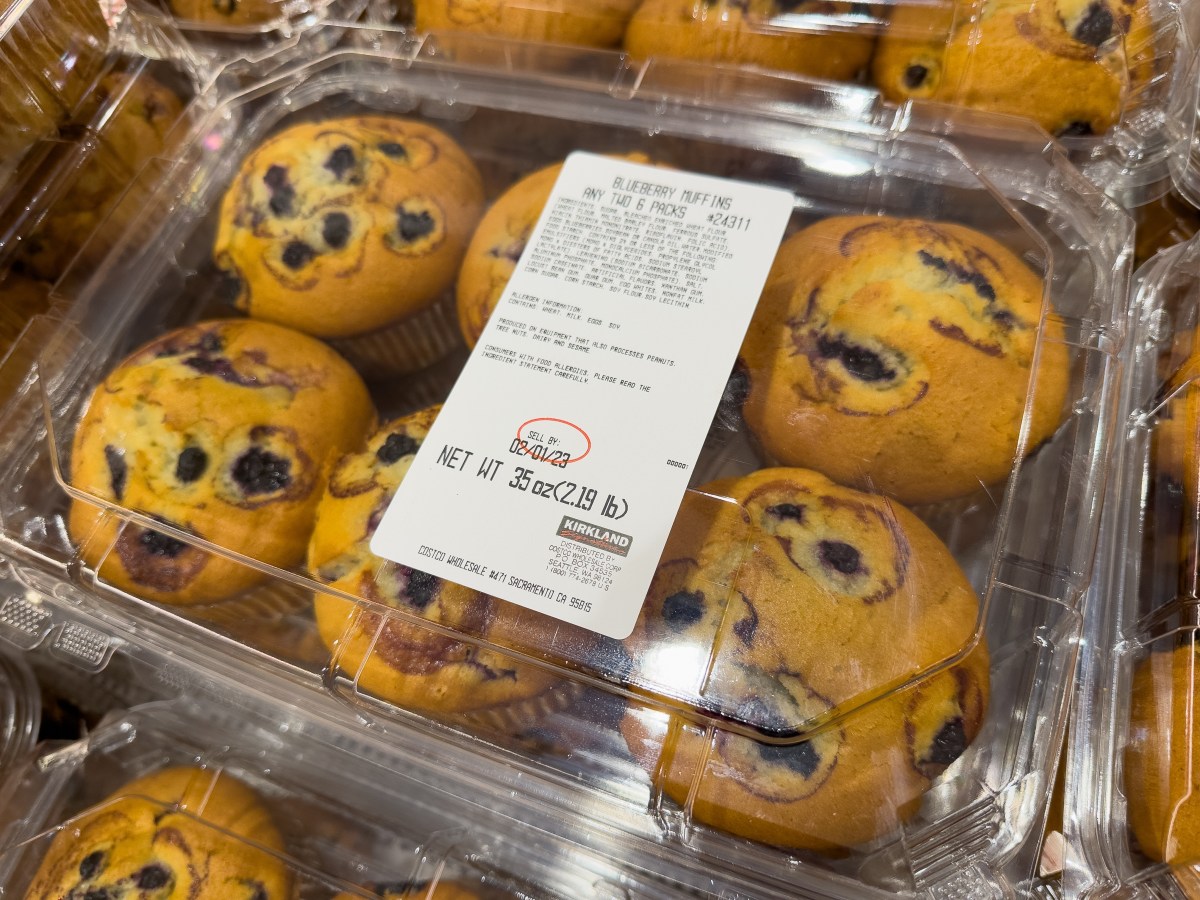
[{"x": 595, "y": 536}]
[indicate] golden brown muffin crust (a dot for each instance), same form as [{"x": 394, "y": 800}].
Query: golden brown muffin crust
[
  {"x": 754, "y": 33},
  {"x": 1160, "y": 780},
  {"x": 224, "y": 430},
  {"x": 137, "y": 842},
  {"x": 345, "y": 226},
  {"x": 404, "y": 663},
  {"x": 877, "y": 599},
  {"x": 897, "y": 355},
  {"x": 1068, "y": 64}
]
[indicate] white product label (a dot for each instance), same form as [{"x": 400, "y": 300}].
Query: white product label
[{"x": 554, "y": 471}]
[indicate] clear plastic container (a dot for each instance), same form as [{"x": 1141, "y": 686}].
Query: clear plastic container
[
  {"x": 1114, "y": 81},
  {"x": 1129, "y": 803},
  {"x": 1185, "y": 163},
  {"x": 66, "y": 185},
  {"x": 130, "y": 111},
  {"x": 138, "y": 109},
  {"x": 50, "y": 53},
  {"x": 970, "y": 818},
  {"x": 21, "y": 299},
  {"x": 343, "y": 828}
]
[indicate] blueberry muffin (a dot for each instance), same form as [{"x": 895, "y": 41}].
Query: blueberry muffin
[
  {"x": 1069, "y": 65},
  {"x": 498, "y": 243},
  {"x": 420, "y": 890},
  {"x": 898, "y": 354},
  {"x": 1160, "y": 784},
  {"x": 230, "y": 13},
  {"x": 785, "y": 35},
  {"x": 593, "y": 23},
  {"x": 345, "y": 227},
  {"x": 180, "y": 833},
  {"x": 224, "y": 430},
  {"x": 401, "y": 661},
  {"x": 136, "y": 133},
  {"x": 751, "y": 564}
]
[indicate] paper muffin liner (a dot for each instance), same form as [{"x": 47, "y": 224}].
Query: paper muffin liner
[
  {"x": 406, "y": 346},
  {"x": 269, "y": 600},
  {"x": 524, "y": 720},
  {"x": 726, "y": 455},
  {"x": 273, "y": 617}
]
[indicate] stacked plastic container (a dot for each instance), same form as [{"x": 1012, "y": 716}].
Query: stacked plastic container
[
  {"x": 243, "y": 38},
  {"x": 1133, "y": 742},
  {"x": 125, "y": 108},
  {"x": 49, "y": 56},
  {"x": 968, "y": 817},
  {"x": 1114, "y": 82},
  {"x": 90, "y": 101},
  {"x": 891, "y": 728},
  {"x": 235, "y": 805}
]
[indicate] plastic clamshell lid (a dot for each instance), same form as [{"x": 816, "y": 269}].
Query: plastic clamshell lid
[
  {"x": 1133, "y": 742},
  {"x": 1024, "y": 546},
  {"x": 902, "y": 561},
  {"x": 252, "y": 808},
  {"x": 11, "y": 11}
]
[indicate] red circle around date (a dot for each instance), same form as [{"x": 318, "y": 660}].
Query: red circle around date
[{"x": 547, "y": 439}]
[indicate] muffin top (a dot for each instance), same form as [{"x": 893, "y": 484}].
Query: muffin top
[
  {"x": 753, "y": 562},
  {"x": 1067, "y": 64},
  {"x": 179, "y": 833},
  {"x": 899, "y": 355},
  {"x": 224, "y": 430},
  {"x": 787, "y": 35},
  {"x": 795, "y": 607},
  {"x": 344, "y": 226},
  {"x": 404, "y": 661}
]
